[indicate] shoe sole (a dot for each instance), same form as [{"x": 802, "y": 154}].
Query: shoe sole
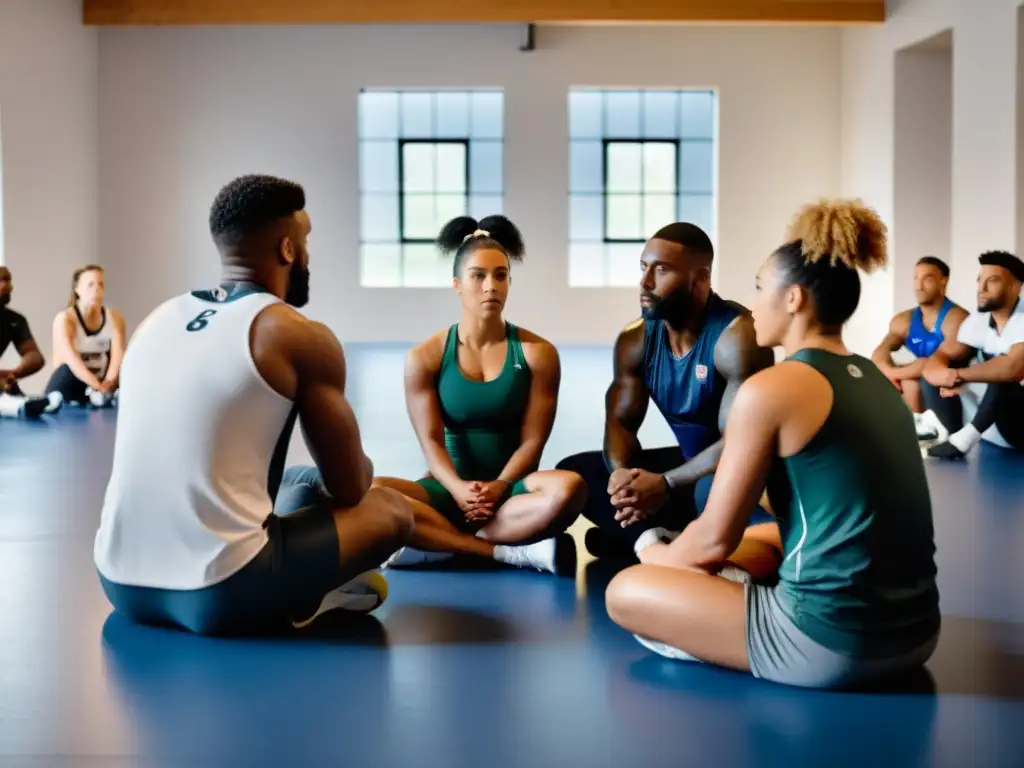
[{"x": 362, "y": 595}]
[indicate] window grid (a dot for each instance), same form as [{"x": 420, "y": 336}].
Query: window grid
[
  {"x": 601, "y": 251},
  {"x": 397, "y": 227}
]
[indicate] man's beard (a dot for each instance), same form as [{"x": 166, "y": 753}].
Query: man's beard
[
  {"x": 989, "y": 305},
  {"x": 5, "y": 299},
  {"x": 298, "y": 286},
  {"x": 672, "y": 307}
]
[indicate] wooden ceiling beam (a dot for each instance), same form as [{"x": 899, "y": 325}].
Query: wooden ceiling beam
[{"x": 203, "y": 12}]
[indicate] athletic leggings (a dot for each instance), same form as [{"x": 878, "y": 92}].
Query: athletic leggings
[
  {"x": 686, "y": 503},
  {"x": 71, "y": 388},
  {"x": 949, "y": 410},
  {"x": 1002, "y": 406}
]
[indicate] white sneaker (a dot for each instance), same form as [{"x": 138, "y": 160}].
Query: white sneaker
[
  {"x": 664, "y": 649},
  {"x": 929, "y": 427},
  {"x": 408, "y": 557},
  {"x": 365, "y": 593},
  {"x": 556, "y": 555}
]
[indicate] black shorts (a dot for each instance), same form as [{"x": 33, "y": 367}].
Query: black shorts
[{"x": 284, "y": 583}]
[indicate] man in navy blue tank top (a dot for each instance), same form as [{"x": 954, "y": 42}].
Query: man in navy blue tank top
[
  {"x": 921, "y": 331},
  {"x": 689, "y": 353}
]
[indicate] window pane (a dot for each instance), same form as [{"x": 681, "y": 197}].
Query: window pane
[
  {"x": 697, "y": 113},
  {"x": 661, "y": 114},
  {"x": 379, "y": 214},
  {"x": 586, "y": 264},
  {"x": 625, "y": 167},
  {"x": 451, "y": 167},
  {"x": 624, "y": 264},
  {"x": 378, "y": 115},
  {"x": 420, "y": 220},
  {"x": 380, "y": 266},
  {"x": 487, "y": 115},
  {"x": 622, "y": 114},
  {"x": 625, "y": 217},
  {"x": 423, "y": 267},
  {"x": 699, "y": 210},
  {"x": 417, "y": 112},
  {"x": 448, "y": 207},
  {"x": 659, "y": 210},
  {"x": 485, "y": 166},
  {"x": 585, "y": 166},
  {"x": 452, "y": 115},
  {"x": 418, "y": 173},
  {"x": 378, "y": 166},
  {"x": 586, "y": 217},
  {"x": 659, "y": 167},
  {"x": 485, "y": 205},
  {"x": 696, "y": 167},
  {"x": 585, "y": 114}
]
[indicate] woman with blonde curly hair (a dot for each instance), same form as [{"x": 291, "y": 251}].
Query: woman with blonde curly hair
[{"x": 834, "y": 445}]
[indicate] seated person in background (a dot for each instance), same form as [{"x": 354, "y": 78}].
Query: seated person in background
[
  {"x": 482, "y": 396},
  {"x": 88, "y": 343},
  {"x": 835, "y": 445},
  {"x": 689, "y": 354},
  {"x": 921, "y": 331},
  {"x": 188, "y": 537},
  {"x": 993, "y": 337},
  {"x": 14, "y": 331}
]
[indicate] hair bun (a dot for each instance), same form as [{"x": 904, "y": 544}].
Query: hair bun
[{"x": 842, "y": 231}]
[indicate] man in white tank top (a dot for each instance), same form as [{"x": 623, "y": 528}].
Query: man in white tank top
[{"x": 188, "y": 535}]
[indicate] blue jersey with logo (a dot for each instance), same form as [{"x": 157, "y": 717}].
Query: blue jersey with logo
[
  {"x": 922, "y": 342},
  {"x": 688, "y": 390}
]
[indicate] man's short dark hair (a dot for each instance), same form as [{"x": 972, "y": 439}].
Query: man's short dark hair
[
  {"x": 690, "y": 236},
  {"x": 1003, "y": 259},
  {"x": 936, "y": 262},
  {"x": 248, "y": 204}
]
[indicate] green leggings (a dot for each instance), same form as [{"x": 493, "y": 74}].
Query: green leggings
[{"x": 445, "y": 503}]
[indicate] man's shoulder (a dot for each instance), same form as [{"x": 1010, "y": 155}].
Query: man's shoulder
[{"x": 12, "y": 317}]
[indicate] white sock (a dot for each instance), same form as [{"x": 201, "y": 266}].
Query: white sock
[
  {"x": 966, "y": 438},
  {"x": 653, "y": 536},
  {"x": 10, "y": 405},
  {"x": 56, "y": 401},
  {"x": 539, "y": 555}
]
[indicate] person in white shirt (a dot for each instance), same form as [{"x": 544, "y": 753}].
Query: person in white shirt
[
  {"x": 985, "y": 362},
  {"x": 189, "y": 535}
]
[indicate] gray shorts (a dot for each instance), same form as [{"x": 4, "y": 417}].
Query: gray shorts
[{"x": 780, "y": 652}]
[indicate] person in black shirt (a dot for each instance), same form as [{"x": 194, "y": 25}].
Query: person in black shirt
[{"x": 14, "y": 331}]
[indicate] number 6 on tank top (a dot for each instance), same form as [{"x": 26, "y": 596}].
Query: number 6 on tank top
[{"x": 200, "y": 321}]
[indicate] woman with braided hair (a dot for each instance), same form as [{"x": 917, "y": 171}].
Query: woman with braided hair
[{"x": 834, "y": 445}]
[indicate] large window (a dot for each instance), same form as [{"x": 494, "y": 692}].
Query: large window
[
  {"x": 424, "y": 158},
  {"x": 638, "y": 160}
]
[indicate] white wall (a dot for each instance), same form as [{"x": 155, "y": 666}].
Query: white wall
[
  {"x": 923, "y": 163},
  {"x": 182, "y": 111},
  {"x": 48, "y": 98},
  {"x": 984, "y": 173}
]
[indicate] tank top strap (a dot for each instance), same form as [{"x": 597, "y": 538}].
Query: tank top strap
[
  {"x": 451, "y": 347},
  {"x": 516, "y": 356},
  {"x": 941, "y": 317}
]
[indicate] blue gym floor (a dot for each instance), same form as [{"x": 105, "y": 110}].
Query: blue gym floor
[{"x": 459, "y": 669}]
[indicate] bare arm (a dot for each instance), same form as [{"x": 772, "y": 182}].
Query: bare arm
[
  {"x": 895, "y": 338},
  {"x": 1004, "y": 369},
  {"x": 31, "y": 359},
  {"x": 424, "y": 407},
  {"x": 737, "y": 358},
  {"x": 952, "y": 352},
  {"x": 546, "y": 371},
  {"x": 64, "y": 349},
  {"x": 626, "y": 400},
  {"x": 740, "y": 479},
  {"x": 328, "y": 423},
  {"x": 117, "y": 346}
]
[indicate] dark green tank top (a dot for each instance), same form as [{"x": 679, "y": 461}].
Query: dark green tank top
[
  {"x": 856, "y": 519},
  {"x": 483, "y": 420}
]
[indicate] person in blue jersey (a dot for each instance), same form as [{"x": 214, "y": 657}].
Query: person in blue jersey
[
  {"x": 921, "y": 331},
  {"x": 689, "y": 353}
]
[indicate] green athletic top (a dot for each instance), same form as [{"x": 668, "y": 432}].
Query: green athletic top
[
  {"x": 856, "y": 519},
  {"x": 483, "y": 420}
]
